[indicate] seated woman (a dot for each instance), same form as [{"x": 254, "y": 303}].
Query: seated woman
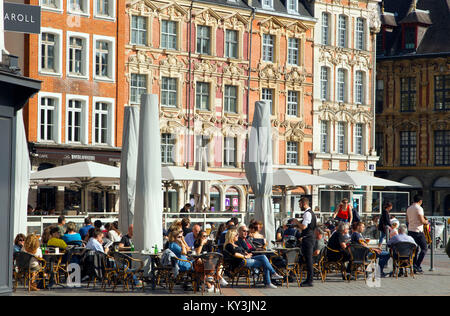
[
  {"x": 55, "y": 239},
  {"x": 180, "y": 249},
  {"x": 18, "y": 242},
  {"x": 239, "y": 257},
  {"x": 31, "y": 246},
  {"x": 257, "y": 238},
  {"x": 71, "y": 236}
]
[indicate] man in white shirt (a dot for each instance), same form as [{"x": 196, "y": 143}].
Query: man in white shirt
[
  {"x": 95, "y": 243},
  {"x": 308, "y": 227},
  {"x": 415, "y": 219}
]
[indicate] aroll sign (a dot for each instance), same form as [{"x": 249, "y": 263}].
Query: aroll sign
[{"x": 22, "y": 18}]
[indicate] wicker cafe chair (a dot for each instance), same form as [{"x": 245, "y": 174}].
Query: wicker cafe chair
[
  {"x": 124, "y": 272},
  {"x": 402, "y": 254},
  {"x": 182, "y": 276},
  {"x": 317, "y": 262},
  {"x": 238, "y": 272},
  {"x": 292, "y": 257},
  {"x": 208, "y": 265},
  {"x": 23, "y": 271},
  {"x": 332, "y": 261},
  {"x": 359, "y": 259}
]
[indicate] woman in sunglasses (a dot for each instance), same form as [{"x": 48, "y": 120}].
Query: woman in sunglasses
[
  {"x": 18, "y": 242},
  {"x": 180, "y": 249}
]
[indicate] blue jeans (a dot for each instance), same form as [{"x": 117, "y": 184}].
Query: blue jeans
[
  {"x": 382, "y": 236},
  {"x": 383, "y": 259},
  {"x": 261, "y": 262}
]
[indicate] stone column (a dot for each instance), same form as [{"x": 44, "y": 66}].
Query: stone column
[{"x": 59, "y": 203}]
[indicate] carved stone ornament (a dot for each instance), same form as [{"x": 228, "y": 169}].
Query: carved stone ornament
[
  {"x": 235, "y": 22},
  {"x": 207, "y": 17},
  {"x": 205, "y": 66},
  {"x": 139, "y": 63},
  {"x": 271, "y": 24},
  {"x": 173, "y": 11},
  {"x": 233, "y": 70},
  {"x": 295, "y": 132},
  {"x": 141, "y": 7},
  {"x": 269, "y": 72},
  {"x": 172, "y": 62},
  {"x": 297, "y": 75}
]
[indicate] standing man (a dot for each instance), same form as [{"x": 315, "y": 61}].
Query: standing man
[
  {"x": 61, "y": 224},
  {"x": 415, "y": 219},
  {"x": 308, "y": 227}
]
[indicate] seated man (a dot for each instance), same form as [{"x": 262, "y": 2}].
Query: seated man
[
  {"x": 292, "y": 233},
  {"x": 126, "y": 240},
  {"x": 192, "y": 236},
  {"x": 337, "y": 244},
  {"x": 243, "y": 241},
  {"x": 402, "y": 236}
]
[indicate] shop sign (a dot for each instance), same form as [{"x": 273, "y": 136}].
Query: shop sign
[{"x": 22, "y": 18}]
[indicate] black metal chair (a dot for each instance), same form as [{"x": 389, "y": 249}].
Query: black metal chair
[
  {"x": 208, "y": 265},
  {"x": 235, "y": 273},
  {"x": 124, "y": 271},
  {"x": 293, "y": 259},
  {"x": 332, "y": 261},
  {"x": 359, "y": 259},
  {"x": 402, "y": 254}
]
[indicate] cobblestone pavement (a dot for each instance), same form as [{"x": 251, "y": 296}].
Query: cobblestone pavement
[{"x": 435, "y": 282}]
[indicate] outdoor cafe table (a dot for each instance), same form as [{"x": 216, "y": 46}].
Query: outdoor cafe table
[{"x": 53, "y": 259}]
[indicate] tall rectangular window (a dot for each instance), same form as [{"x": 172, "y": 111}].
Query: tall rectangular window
[
  {"x": 293, "y": 51},
  {"x": 267, "y": 95},
  {"x": 74, "y": 121},
  {"x": 231, "y": 44},
  {"x": 101, "y": 123},
  {"x": 360, "y": 34},
  {"x": 167, "y": 148},
  {"x": 408, "y": 94},
  {"x": 324, "y": 77},
  {"x": 340, "y": 137},
  {"x": 103, "y": 7},
  {"x": 102, "y": 58},
  {"x": 442, "y": 148},
  {"x": 169, "y": 92},
  {"x": 359, "y": 87},
  {"x": 230, "y": 99},
  {"x": 138, "y": 87},
  {"x": 202, "y": 95},
  {"x": 292, "y": 103},
  {"x": 442, "y": 93},
  {"x": 359, "y": 139},
  {"x": 76, "y": 56},
  {"x": 408, "y": 148},
  {"x": 341, "y": 85},
  {"x": 379, "y": 102},
  {"x": 169, "y": 34},
  {"x": 342, "y": 31},
  {"x": 292, "y": 6},
  {"x": 324, "y": 137},
  {"x": 47, "y": 119},
  {"x": 79, "y": 6},
  {"x": 292, "y": 153},
  {"x": 268, "y": 46},
  {"x": 138, "y": 30},
  {"x": 48, "y": 52},
  {"x": 325, "y": 28},
  {"x": 229, "y": 152},
  {"x": 410, "y": 37},
  {"x": 203, "y": 40}
]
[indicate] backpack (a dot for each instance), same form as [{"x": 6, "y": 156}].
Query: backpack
[{"x": 290, "y": 241}]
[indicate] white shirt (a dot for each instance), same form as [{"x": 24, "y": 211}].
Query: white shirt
[
  {"x": 94, "y": 245},
  {"x": 307, "y": 217},
  {"x": 412, "y": 215},
  {"x": 114, "y": 236}
]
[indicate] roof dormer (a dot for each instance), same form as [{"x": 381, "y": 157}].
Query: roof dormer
[{"x": 414, "y": 25}]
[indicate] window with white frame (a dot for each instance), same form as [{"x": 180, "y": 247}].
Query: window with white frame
[
  {"x": 50, "y": 52},
  {"x": 74, "y": 121},
  {"x": 203, "y": 39},
  {"x": 202, "y": 95},
  {"x": 324, "y": 79},
  {"x": 138, "y": 30},
  {"x": 292, "y": 153},
  {"x": 324, "y": 137},
  {"x": 169, "y": 34},
  {"x": 359, "y": 87},
  {"x": 138, "y": 86},
  {"x": 342, "y": 31},
  {"x": 267, "y": 95},
  {"x": 360, "y": 23},
  {"x": 340, "y": 137},
  {"x": 341, "y": 85},
  {"x": 359, "y": 139},
  {"x": 325, "y": 28},
  {"x": 167, "y": 148},
  {"x": 169, "y": 92},
  {"x": 230, "y": 99},
  {"x": 292, "y": 103},
  {"x": 78, "y": 54},
  {"x": 268, "y": 47},
  {"x": 292, "y": 6},
  {"x": 101, "y": 123},
  {"x": 105, "y": 8},
  {"x": 48, "y": 119},
  {"x": 293, "y": 51},
  {"x": 51, "y": 4},
  {"x": 201, "y": 141},
  {"x": 231, "y": 44},
  {"x": 104, "y": 54},
  {"x": 78, "y": 6},
  {"x": 267, "y": 4},
  {"x": 229, "y": 152}
]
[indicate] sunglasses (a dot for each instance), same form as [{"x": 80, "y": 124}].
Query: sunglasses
[
  {"x": 245, "y": 231},
  {"x": 204, "y": 236}
]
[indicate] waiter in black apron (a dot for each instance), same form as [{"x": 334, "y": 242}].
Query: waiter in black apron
[{"x": 308, "y": 227}]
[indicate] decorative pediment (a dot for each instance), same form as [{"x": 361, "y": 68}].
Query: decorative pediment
[
  {"x": 141, "y": 7},
  {"x": 270, "y": 72},
  {"x": 173, "y": 11},
  {"x": 296, "y": 29},
  {"x": 297, "y": 75},
  {"x": 233, "y": 131},
  {"x": 205, "y": 66},
  {"x": 271, "y": 24},
  {"x": 233, "y": 70},
  {"x": 295, "y": 132},
  {"x": 139, "y": 63},
  {"x": 172, "y": 127},
  {"x": 407, "y": 125},
  {"x": 345, "y": 116},
  {"x": 363, "y": 117},
  {"x": 172, "y": 62},
  {"x": 207, "y": 17},
  {"x": 235, "y": 22}
]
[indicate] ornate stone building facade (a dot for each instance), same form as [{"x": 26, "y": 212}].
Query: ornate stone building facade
[{"x": 413, "y": 99}]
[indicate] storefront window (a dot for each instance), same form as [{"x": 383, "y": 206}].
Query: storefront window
[{"x": 232, "y": 200}]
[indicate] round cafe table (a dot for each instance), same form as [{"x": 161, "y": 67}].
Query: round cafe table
[{"x": 53, "y": 259}]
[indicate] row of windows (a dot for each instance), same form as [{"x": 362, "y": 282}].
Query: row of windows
[
  {"x": 203, "y": 95},
  {"x": 169, "y": 40},
  {"x": 341, "y": 138},
  {"x": 77, "y": 51},
  {"x": 76, "y": 125},
  {"x": 408, "y": 94},
  {"x": 342, "y": 32},
  {"x": 408, "y": 147},
  {"x": 342, "y": 85},
  {"x": 102, "y": 8}
]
